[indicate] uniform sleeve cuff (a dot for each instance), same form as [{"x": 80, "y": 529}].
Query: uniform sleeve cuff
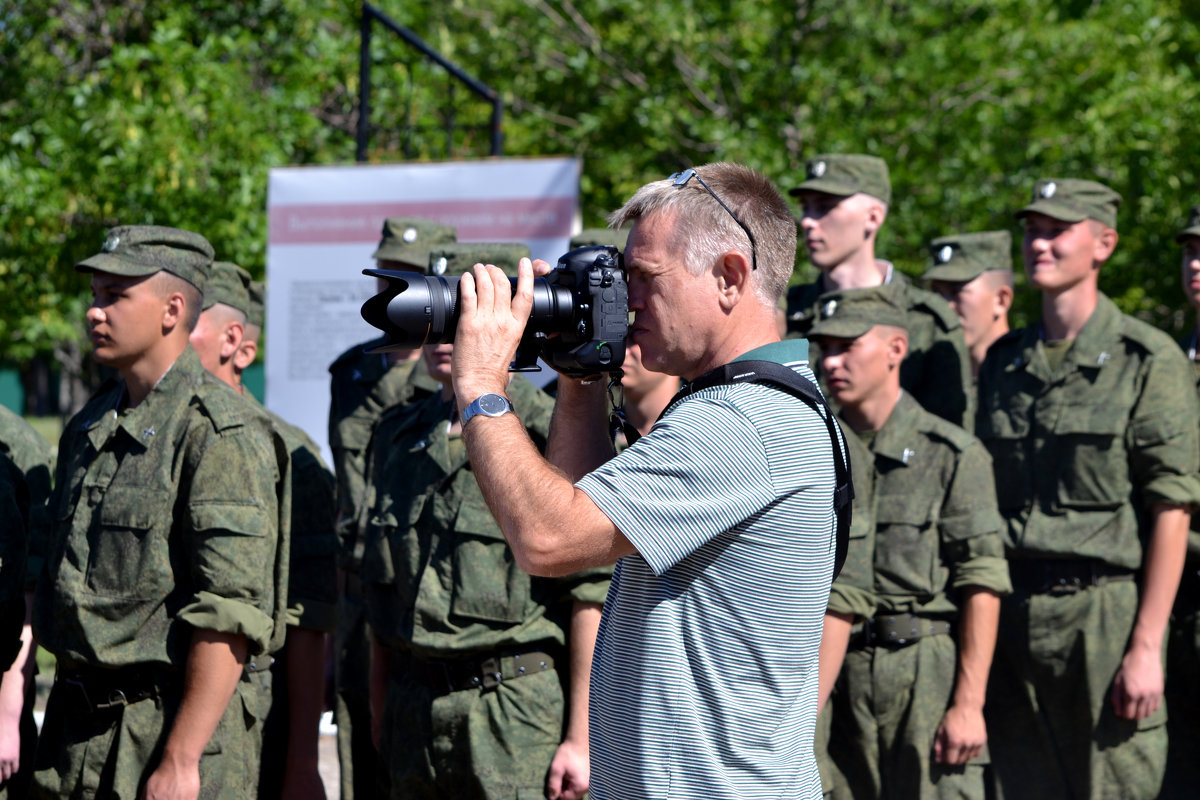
[{"x": 213, "y": 613}]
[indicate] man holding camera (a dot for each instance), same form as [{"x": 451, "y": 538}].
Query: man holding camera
[
  {"x": 722, "y": 516},
  {"x": 480, "y": 672}
]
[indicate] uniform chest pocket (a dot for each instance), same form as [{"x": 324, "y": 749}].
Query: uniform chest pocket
[
  {"x": 487, "y": 583},
  {"x": 906, "y": 545},
  {"x": 1007, "y": 439},
  {"x": 128, "y": 555},
  {"x": 1092, "y": 469}
]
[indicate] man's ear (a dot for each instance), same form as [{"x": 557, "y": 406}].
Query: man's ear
[
  {"x": 897, "y": 348},
  {"x": 174, "y": 311},
  {"x": 1002, "y": 301},
  {"x": 1106, "y": 243},
  {"x": 231, "y": 339},
  {"x": 733, "y": 275},
  {"x": 247, "y": 351},
  {"x": 876, "y": 214}
]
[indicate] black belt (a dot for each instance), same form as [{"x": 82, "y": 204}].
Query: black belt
[
  {"x": 898, "y": 630},
  {"x": 1063, "y": 576},
  {"x": 485, "y": 672},
  {"x": 107, "y": 689}
]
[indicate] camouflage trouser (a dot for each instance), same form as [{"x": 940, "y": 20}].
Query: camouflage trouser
[
  {"x": 111, "y": 753},
  {"x": 352, "y": 706},
  {"x": 1051, "y": 723},
  {"x": 886, "y": 709},
  {"x": 1182, "y": 778},
  {"x": 475, "y": 744}
]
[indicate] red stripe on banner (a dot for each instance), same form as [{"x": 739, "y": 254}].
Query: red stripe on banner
[{"x": 476, "y": 220}]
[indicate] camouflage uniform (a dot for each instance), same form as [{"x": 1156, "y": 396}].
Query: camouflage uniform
[
  {"x": 853, "y": 592},
  {"x": 27, "y": 452},
  {"x": 1081, "y": 453},
  {"x": 164, "y": 521},
  {"x": 937, "y": 532},
  {"x": 363, "y": 385},
  {"x": 1183, "y": 658},
  {"x": 312, "y": 597},
  {"x": 444, "y": 595},
  {"x": 937, "y": 369}
]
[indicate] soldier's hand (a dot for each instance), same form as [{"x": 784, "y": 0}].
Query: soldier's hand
[
  {"x": 1138, "y": 687},
  {"x": 174, "y": 781},
  {"x": 961, "y": 736},
  {"x": 570, "y": 772}
]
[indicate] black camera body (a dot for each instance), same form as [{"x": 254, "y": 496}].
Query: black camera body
[{"x": 578, "y": 323}]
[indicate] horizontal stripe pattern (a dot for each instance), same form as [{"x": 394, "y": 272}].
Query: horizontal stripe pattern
[{"x": 705, "y": 676}]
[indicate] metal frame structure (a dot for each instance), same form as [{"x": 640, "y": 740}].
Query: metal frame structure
[{"x": 371, "y": 15}]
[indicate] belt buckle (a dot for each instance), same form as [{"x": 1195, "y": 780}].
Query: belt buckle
[
  {"x": 116, "y": 698},
  {"x": 491, "y": 673}
]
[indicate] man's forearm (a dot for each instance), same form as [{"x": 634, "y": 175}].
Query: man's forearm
[
  {"x": 579, "y": 436},
  {"x": 306, "y": 692},
  {"x": 978, "y": 623},
  {"x": 585, "y": 624},
  {"x": 1162, "y": 569},
  {"x": 835, "y": 638},
  {"x": 214, "y": 667},
  {"x": 551, "y": 527}
]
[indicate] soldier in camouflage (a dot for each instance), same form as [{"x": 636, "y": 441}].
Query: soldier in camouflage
[
  {"x": 481, "y": 672},
  {"x": 907, "y": 711},
  {"x": 973, "y": 273},
  {"x": 363, "y": 385},
  {"x": 158, "y": 581},
  {"x": 1090, "y": 417},
  {"x": 28, "y": 455},
  {"x": 845, "y": 202},
  {"x": 295, "y": 685},
  {"x": 1183, "y": 649}
]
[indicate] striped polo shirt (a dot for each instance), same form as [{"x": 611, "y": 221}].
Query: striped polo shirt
[{"x": 704, "y": 682}]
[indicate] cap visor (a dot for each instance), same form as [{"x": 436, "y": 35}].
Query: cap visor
[
  {"x": 1053, "y": 210},
  {"x": 116, "y": 265},
  {"x": 825, "y": 186}
]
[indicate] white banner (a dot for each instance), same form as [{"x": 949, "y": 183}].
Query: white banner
[{"x": 324, "y": 223}]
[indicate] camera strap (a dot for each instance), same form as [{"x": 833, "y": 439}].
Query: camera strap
[{"x": 777, "y": 376}]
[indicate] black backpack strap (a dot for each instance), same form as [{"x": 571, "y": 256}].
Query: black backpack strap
[{"x": 788, "y": 380}]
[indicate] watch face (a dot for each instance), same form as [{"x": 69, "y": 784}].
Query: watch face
[{"x": 493, "y": 404}]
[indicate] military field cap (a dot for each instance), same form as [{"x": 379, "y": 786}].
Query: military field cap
[
  {"x": 1193, "y": 225},
  {"x": 408, "y": 240},
  {"x": 228, "y": 284},
  {"x": 457, "y": 259},
  {"x": 1073, "y": 200},
  {"x": 964, "y": 257},
  {"x": 844, "y": 175},
  {"x": 258, "y": 296},
  {"x": 137, "y": 250},
  {"x": 598, "y": 237},
  {"x": 849, "y": 314}
]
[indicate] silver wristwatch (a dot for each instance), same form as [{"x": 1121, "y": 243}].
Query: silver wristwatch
[{"x": 491, "y": 405}]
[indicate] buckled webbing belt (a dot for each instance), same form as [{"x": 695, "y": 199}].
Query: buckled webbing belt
[
  {"x": 898, "y": 630},
  {"x": 1063, "y": 576},
  {"x": 105, "y": 689},
  {"x": 488, "y": 672}
]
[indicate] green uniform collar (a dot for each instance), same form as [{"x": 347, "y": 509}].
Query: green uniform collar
[
  {"x": 1092, "y": 348},
  {"x": 789, "y": 351}
]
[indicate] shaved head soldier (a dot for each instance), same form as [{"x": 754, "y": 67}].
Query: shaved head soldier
[{"x": 845, "y": 201}]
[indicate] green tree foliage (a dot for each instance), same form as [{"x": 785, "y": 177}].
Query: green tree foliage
[{"x": 172, "y": 113}]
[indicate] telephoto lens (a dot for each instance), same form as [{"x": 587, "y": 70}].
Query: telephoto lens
[{"x": 578, "y": 323}]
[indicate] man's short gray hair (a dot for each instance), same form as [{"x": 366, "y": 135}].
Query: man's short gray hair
[{"x": 704, "y": 230}]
